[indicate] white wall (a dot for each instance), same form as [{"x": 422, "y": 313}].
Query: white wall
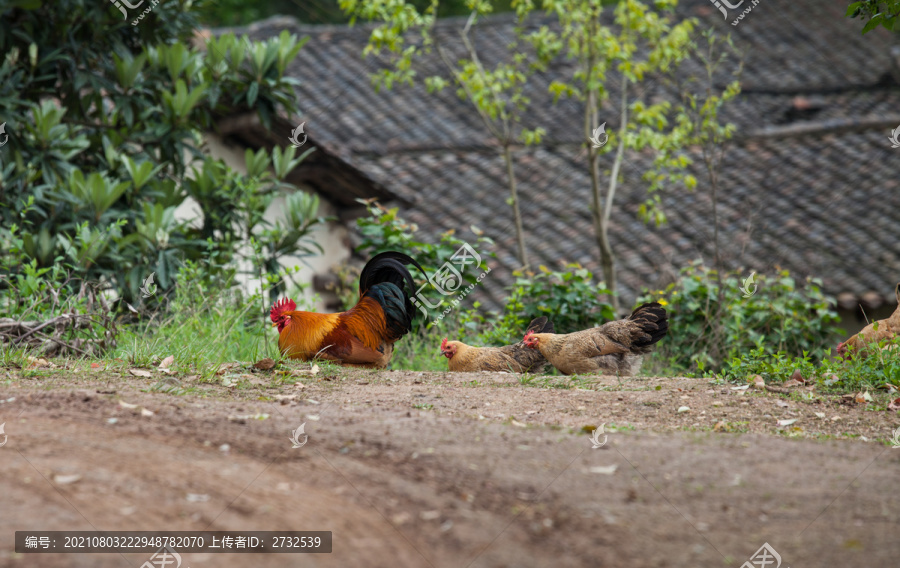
[{"x": 332, "y": 237}]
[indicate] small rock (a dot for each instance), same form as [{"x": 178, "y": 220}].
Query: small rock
[
  {"x": 224, "y": 448},
  {"x": 401, "y": 518},
  {"x": 683, "y": 409},
  {"x": 66, "y": 479}
]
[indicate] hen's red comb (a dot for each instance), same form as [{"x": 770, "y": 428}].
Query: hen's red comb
[
  {"x": 281, "y": 306},
  {"x": 527, "y": 335},
  {"x": 444, "y": 344}
]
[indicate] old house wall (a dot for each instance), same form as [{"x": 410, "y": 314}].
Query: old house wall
[{"x": 333, "y": 237}]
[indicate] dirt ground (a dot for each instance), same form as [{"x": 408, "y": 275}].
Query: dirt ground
[{"x": 451, "y": 470}]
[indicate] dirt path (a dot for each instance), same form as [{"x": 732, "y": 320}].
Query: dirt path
[{"x": 444, "y": 470}]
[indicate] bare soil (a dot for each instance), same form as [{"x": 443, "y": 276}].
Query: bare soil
[{"x": 451, "y": 470}]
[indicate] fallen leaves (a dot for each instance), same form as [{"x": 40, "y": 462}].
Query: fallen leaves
[
  {"x": 264, "y": 364},
  {"x": 786, "y": 422},
  {"x": 311, "y": 372},
  {"x": 894, "y": 404},
  {"x": 225, "y": 367},
  {"x": 39, "y": 363},
  {"x": 141, "y": 373},
  {"x": 167, "y": 362},
  {"x": 136, "y": 409}
]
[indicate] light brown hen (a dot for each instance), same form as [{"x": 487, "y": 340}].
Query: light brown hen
[
  {"x": 516, "y": 358},
  {"x": 872, "y": 334},
  {"x": 616, "y": 347}
]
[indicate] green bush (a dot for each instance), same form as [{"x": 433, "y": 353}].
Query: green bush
[
  {"x": 832, "y": 374},
  {"x": 105, "y": 123},
  {"x": 569, "y": 298},
  {"x": 383, "y": 230},
  {"x": 781, "y": 316}
]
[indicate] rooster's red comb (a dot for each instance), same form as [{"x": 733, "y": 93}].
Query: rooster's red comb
[
  {"x": 281, "y": 306},
  {"x": 527, "y": 335},
  {"x": 444, "y": 344}
]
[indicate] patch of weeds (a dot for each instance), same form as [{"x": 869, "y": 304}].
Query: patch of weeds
[
  {"x": 869, "y": 371},
  {"x": 169, "y": 385},
  {"x": 732, "y": 427},
  {"x": 12, "y": 356},
  {"x": 423, "y": 406},
  {"x": 527, "y": 379}
]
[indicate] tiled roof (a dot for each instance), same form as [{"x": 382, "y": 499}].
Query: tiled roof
[{"x": 810, "y": 182}]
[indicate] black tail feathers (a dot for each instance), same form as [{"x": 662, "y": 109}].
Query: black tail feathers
[
  {"x": 653, "y": 320},
  {"x": 388, "y": 267},
  {"x": 540, "y": 325}
]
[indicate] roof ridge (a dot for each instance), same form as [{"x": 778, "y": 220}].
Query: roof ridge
[
  {"x": 831, "y": 126},
  {"x": 485, "y": 20}
]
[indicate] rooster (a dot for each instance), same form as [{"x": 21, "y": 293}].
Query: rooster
[
  {"x": 881, "y": 330},
  {"x": 516, "y": 358},
  {"x": 363, "y": 336},
  {"x": 615, "y": 348}
]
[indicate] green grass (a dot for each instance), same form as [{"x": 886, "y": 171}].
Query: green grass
[{"x": 206, "y": 325}]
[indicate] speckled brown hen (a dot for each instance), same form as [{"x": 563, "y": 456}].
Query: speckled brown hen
[
  {"x": 872, "y": 334},
  {"x": 614, "y": 348},
  {"x": 516, "y": 358}
]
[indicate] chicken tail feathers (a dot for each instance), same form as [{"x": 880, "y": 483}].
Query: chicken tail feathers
[
  {"x": 388, "y": 267},
  {"x": 653, "y": 321},
  {"x": 540, "y": 325},
  {"x": 386, "y": 280}
]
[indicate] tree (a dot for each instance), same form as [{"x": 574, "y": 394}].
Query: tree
[
  {"x": 882, "y": 13},
  {"x": 105, "y": 119},
  {"x": 497, "y": 94},
  {"x": 243, "y": 12},
  {"x": 697, "y": 123},
  {"x": 597, "y": 50}
]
